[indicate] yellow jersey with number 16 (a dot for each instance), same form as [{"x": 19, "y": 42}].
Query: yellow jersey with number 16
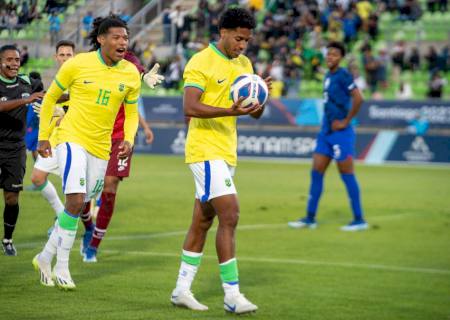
[
  {"x": 213, "y": 73},
  {"x": 96, "y": 93}
]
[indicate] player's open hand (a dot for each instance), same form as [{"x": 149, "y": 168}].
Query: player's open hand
[
  {"x": 238, "y": 110},
  {"x": 152, "y": 78},
  {"x": 44, "y": 148},
  {"x": 35, "y": 96},
  {"x": 125, "y": 149},
  {"x": 148, "y": 135},
  {"x": 337, "y": 125}
]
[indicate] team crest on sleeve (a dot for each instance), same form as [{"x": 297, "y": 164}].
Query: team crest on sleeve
[
  {"x": 228, "y": 182},
  {"x": 121, "y": 87},
  {"x": 82, "y": 181}
]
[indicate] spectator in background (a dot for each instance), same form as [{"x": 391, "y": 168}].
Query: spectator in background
[
  {"x": 443, "y": 5},
  {"x": 24, "y": 56},
  {"x": 443, "y": 59},
  {"x": 177, "y": 19},
  {"x": 350, "y": 28},
  {"x": 371, "y": 67},
  {"x": 432, "y": 5},
  {"x": 359, "y": 80},
  {"x": 166, "y": 22},
  {"x": 436, "y": 86},
  {"x": 24, "y": 12},
  {"x": 87, "y": 27},
  {"x": 383, "y": 63},
  {"x": 432, "y": 59},
  {"x": 174, "y": 73},
  {"x": 124, "y": 16},
  {"x": 414, "y": 60},
  {"x": 398, "y": 59},
  {"x": 404, "y": 91},
  {"x": 55, "y": 28}
]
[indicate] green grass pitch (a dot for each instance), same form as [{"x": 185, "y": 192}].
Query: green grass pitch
[{"x": 399, "y": 269}]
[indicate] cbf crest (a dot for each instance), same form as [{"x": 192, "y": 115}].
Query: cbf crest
[{"x": 121, "y": 87}]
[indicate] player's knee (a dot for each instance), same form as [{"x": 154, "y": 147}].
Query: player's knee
[
  {"x": 11, "y": 198},
  {"x": 230, "y": 220},
  {"x": 37, "y": 179},
  {"x": 75, "y": 205}
]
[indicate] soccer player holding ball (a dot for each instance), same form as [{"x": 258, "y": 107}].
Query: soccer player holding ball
[
  {"x": 99, "y": 82},
  {"x": 336, "y": 140},
  {"x": 211, "y": 153}
]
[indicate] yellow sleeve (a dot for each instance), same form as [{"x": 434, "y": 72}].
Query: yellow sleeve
[
  {"x": 62, "y": 81},
  {"x": 131, "y": 123},
  {"x": 194, "y": 75}
]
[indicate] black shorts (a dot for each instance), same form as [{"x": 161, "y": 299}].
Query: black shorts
[{"x": 12, "y": 167}]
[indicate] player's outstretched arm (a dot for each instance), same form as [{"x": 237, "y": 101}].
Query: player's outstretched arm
[
  {"x": 194, "y": 108},
  {"x": 16, "y": 103}
]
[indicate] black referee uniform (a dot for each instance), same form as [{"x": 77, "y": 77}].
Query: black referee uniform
[{"x": 12, "y": 133}]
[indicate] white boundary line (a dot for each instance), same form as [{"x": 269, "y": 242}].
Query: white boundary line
[
  {"x": 265, "y": 260},
  {"x": 296, "y": 262}
]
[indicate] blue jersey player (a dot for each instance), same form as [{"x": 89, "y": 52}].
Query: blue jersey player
[{"x": 336, "y": 140}]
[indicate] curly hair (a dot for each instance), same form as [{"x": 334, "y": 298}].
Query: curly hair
[
  {"x": 337, "y": 45},
  {"x": 101, "y": 25},
  {"x": 233, "y": 18}
]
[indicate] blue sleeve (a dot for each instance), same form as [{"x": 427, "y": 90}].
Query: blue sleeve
[
  {"x": 30, "y": 113},
  {"x": 348, "y": 82}
]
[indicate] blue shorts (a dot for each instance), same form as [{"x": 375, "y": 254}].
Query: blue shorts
[
  {"x": 31, "y": 139},
  {"x": 338, "y": 145}
]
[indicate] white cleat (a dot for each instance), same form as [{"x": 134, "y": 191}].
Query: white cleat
[
  {"x": 45, "y": 271},
  {"x": 355, "y": 226},
  {"x": 186, "y": 299},
  {"x": 63, "y": 280},
  {"x": 238, "y": 304}
]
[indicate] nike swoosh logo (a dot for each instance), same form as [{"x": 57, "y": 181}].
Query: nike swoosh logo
[
  {"x": 87, "y": 82},
  {"x": 220, "y": 81},
  {"x": 231, "y": 308},
  {"x": 174, "y": 297}
]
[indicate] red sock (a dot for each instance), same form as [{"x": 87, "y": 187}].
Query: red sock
[
  {"x": 86, "y": 216},
  {"x": 103, "y": 218}
]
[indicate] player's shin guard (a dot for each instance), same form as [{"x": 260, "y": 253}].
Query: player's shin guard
[
  {"x": 352, "y": 187},
  {"x": 10, "y": 214},
  {"x": 67, "y": 231},
  {"x": 49, "y": 192},
  {"x": 315, "y": 191},
  {"x": 190, "y": 262},
  {"x": 103, "y": 218},
  {"x": 86, "y": 216},
  {"x": 230, "y": 276}
]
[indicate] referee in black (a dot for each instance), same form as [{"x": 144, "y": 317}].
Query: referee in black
[{"x": 16, "y": 91}]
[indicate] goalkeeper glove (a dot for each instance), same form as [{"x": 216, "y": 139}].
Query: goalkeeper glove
[{"x": 152, "y": 78}]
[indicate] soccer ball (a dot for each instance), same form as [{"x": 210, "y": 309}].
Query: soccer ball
[{"x": 250, "y": 86}]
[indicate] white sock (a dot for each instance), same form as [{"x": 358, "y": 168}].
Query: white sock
[
  {"x": 230, "y": 289},
  {"x": 187, "y": 271},
  {"x": 49, "y": 193},
  {"x": 66, "y": 238},
  {"x": 49, "y": 251}
]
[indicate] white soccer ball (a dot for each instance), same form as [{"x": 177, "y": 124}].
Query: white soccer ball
[{"x": 250, "y": 86}]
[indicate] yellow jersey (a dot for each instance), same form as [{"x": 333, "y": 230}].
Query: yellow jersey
[
  {"x": 96, "y": 93},
  {"x": 212, "y": 72}
]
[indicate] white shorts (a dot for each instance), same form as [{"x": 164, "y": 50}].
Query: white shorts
[
  {"x": 81, "y": 172},
  {"x": 49, "y": 164},
  {"x": 213, "y": 178}
]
